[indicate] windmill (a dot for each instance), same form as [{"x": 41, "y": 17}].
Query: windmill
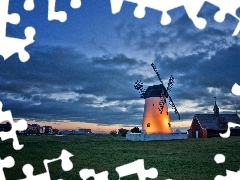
[{"x": 156, "y": 117}]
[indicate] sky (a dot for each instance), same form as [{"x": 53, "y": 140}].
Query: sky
[{"x": 81, "y": 73}]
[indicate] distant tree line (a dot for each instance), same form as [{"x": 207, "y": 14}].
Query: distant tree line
[{"x": 123, "y": 132}]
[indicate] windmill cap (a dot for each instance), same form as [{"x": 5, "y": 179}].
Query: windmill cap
[{"x": 155, "y": 91}]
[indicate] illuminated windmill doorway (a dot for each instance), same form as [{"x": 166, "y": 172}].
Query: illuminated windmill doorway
[{"x": 156, "y": 118}]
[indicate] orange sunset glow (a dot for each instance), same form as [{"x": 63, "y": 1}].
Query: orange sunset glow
[{"x": 70, "y": 125}]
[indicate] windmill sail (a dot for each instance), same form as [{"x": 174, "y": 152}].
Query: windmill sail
[
  {"x": 171, "y": 103},
  {"x": 170, "y": 83},
  {"x": 156, "y": 119},
  {"x": 139, "y": 86},
  {"x": 158, "y": 75},
  {"x": 166, "y": 90}
]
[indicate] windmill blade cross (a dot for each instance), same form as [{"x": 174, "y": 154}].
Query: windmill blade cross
[
  {"x": 170, "y": 83},
  {"x": 174, "y": 107},
  {"x": 158, "y": 75},
  {"x": 139, "y": 86}
]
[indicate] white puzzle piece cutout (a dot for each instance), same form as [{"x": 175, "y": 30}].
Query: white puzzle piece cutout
[
  {"x": 60, "y": 15},
  {"x": 236, "y": 89},
  {"x": 15, "y": 126},
  {"x": 87, "y": 173},
  {"x": 29, "y": 5},
  {"x": 230, "y": 175},
  {"x": 192, "y": 9},
  {"x": 66, "y": 166},
  {"x": 9, "y": 45},
  {"x": 137, "y": 167},
  {"x": 230, "y": 125},
  {"x": 8, "y": 162}
]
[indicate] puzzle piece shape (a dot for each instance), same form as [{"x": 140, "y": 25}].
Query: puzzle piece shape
[
  {"x": 87, "y": 173},
  {"x": 192, "y": 9},
  {"x": 230, "y": 125},
  {"x": 60, "y": 15},
  {"x": 75, "y": 4},
  {"x": 219, "y": 158},
  {"x": 8, "y": 162},
  {"x": 52, "y": 14},
  {"x": 236, "y": 89},
  {"x": 227, "y": 7},
  {"x": 137, "y": 167},
  {"x": 66, "y": 166},
  {"x": 29, "y": 5},
  {"x": 230, "y": 175},
  {"x": 16, "y": 126},
  {"x": 9, "y": 45}
]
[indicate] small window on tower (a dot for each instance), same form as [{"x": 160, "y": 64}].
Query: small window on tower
[
  {"x": 169, "y": 124},
  {"x": 148, "y": 124},
  {"x": 153, "y": 104}
]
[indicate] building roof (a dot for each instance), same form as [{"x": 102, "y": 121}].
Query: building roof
[
  {"x": 155, "y": 91},
  {"x": 211, "y": 121}
]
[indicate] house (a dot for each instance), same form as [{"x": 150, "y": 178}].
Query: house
[
  {"x": 34, "y": 128},
  {"x": 31, "y": 129},
  {"x": 210, "y": 125},
  {"x": 48, "y": 130},
  {"x": 42, "y": 130},
  {"x": 55, "y": 131}
]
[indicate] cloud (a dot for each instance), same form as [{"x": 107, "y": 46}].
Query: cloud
[
  {"x": 180, "y": 38},
  {"x": 61, "y": 83},
  {"x": 204, "y": 63}
]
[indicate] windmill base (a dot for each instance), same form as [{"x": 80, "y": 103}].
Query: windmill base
[{"x": 143, "y": 136}]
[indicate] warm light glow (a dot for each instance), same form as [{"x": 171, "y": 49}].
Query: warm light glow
[
  {"x": 70, "y": 125},
  {"x": 155, "y": 122}
]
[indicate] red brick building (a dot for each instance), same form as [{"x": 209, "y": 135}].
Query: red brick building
[{"x": 210, "y": 125}]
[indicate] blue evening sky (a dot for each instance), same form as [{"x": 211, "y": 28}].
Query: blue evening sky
[{"x": 83, "y": 70}]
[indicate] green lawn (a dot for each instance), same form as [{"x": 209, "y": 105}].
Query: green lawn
[{"x": 177, "y": 159}]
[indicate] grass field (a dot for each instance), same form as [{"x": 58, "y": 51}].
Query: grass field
[{"x": 177, "y": 159}]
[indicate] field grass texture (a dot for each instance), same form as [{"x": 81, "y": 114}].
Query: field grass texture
[{"x": 176, "y": 159}]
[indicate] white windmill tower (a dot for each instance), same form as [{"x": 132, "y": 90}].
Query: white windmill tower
[{"x": 156, "y": 118}]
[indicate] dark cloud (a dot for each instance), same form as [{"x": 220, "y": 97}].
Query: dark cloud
[
  {"x": 204, "y": 62},
  {"x": 180, "y": 38},
  {"x": 60, "y": 82}
]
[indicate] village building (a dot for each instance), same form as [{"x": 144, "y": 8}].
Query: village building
[
  {"x": 35, "y": 129},
  {"x": 48, "y": 130},
  {"x": 210, "y": 125}
]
